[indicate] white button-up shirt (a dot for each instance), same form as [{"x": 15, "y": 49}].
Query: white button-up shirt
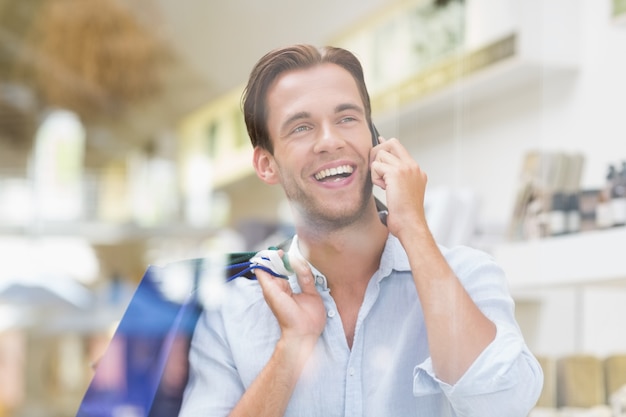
[{"x": 388, "y": 371}]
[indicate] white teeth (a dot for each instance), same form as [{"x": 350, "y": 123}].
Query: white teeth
[{"x": 343, "y": 169}]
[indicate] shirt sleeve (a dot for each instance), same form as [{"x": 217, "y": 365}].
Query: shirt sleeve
[
  {"x": 505, "y": 379},
  {"x": 214, "y": 386}
]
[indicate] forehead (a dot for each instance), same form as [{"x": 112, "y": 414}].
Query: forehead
[{"x": 312, "y": 87}]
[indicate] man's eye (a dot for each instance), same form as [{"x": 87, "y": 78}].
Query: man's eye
[
  {"x": 301, "y": 129},
  {"x": 348, "y": 119}
]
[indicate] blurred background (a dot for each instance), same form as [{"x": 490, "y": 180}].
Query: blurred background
[{"x": 122, "y": 145}]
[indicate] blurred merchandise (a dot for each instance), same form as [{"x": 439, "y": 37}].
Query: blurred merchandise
[
  {"x": 152, "y": 186},
  {"x": 582, "y": 386},
  {"x": 113, "y": 203},
  {"x": 615, "y": 370},
  {"x": 550, "y": 201},
  {"x": 58, "y": 161},
  {"x": 589, "y": 202},
  {"x": 616, "y": 195},
  {"x": 580, "y": 381},
  {"x": 12, "y": 369},
  {"x": 452, "y": 214},
  {"x": 547, "y": 202},
  {"x": 618, "y": 402},
  {"x": 143, "y": 371}
]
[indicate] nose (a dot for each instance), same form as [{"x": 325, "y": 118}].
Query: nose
[{"x": 328, "y": 140}]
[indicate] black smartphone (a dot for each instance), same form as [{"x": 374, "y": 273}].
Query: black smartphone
[
  {"x": 382, "y": 209},
  {"x": 375, "y": 134}
]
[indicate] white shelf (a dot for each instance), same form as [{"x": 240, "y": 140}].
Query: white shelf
[
  {"x": 588, "y": 258},
  {"x": 502, "y": 77},
  {"x": 105, "y": 233},
  {"x": 491, "y": 70}
]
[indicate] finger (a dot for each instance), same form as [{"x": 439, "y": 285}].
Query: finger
[
  {"x": 377, "y": 148},
  {"x": 394, "y": 147},
  {"x": 382, "y": 165},
  {"x": 264, "y": 280},
  {"x": 272, "y": 287},
  {"x": 388, "y": 158},
  {"x": 304, "y": 275},
  {"x": 378, "y": 174}
]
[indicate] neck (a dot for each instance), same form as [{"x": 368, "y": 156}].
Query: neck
[{"x": 349, "y": 253}]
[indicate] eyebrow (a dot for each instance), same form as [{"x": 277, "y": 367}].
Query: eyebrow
[
  {"x": 349, "y": 106},
  {"x": 294, "y": 117}
]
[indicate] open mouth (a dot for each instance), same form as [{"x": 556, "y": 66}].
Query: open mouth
[{"x": 334, "y": 174}]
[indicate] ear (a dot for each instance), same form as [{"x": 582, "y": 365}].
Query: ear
[{"x": 265, "y": 166}]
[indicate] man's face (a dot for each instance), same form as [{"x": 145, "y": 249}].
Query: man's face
[{"x": 317, "y": 123}]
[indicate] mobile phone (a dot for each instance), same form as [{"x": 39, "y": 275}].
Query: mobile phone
[
  {"x": 380, "y": 207},
  {"x": 375, "y": 134}
]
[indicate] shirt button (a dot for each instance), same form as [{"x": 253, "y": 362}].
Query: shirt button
[
  {"x": 331, "y": 313},
  {"x": 351, "y": 371},
  {"x": 319, "y": 280}
]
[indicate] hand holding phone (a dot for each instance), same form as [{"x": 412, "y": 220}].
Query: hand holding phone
[{"x": 396, "y": 172}]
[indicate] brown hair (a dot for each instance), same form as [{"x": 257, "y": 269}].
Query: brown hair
[{"x": 290, "y": 58}]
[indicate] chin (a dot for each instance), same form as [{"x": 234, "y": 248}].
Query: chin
[{"x": 343, "y": 214}]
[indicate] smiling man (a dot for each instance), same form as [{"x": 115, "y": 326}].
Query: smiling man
[{"x": 378, "y": 320}]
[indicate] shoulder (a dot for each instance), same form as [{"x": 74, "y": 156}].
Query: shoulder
[
  {"x": 460, "y": 258},
  {"x": 477, "y": 270},
  {"x": 465, "y": 258}
]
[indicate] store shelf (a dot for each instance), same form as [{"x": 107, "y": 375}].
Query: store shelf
[
  {"x": 105, "y": 233},
  {"x": 488, "y": 72},
  {"x": 506, "y": 73},
  {"x": 589, "y": 258}
]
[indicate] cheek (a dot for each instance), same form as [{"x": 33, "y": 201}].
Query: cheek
[
  {"x": 288, "y": 172},
  {"x": 292, "y": 157}
]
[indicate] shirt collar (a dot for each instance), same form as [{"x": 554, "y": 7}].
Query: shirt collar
[
  {"x": 294, "y": 252},
  {"x": 393, "y": 258}
]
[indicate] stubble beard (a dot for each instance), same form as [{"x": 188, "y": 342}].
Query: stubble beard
[{"x": 322, "y": 216}]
